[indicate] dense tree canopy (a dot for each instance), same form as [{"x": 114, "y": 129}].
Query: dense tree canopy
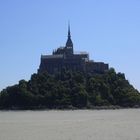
[{"x": 70, "y": 89}]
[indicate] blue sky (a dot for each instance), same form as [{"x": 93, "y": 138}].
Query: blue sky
[{"x": 108, "y": 29}]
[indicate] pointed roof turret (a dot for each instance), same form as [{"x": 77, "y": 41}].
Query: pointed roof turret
[{"x": 69, "y": 41}]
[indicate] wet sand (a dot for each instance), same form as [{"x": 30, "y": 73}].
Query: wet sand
[{"x": 121, "y": 124}]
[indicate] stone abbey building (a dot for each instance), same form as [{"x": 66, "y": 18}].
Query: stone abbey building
[{"x": 64, "y": 57}]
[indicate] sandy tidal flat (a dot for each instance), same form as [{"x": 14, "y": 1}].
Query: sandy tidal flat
[{"x": 123, "y": 124}]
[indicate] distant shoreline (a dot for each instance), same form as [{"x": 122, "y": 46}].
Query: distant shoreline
[{"x": 70, "y": 108}]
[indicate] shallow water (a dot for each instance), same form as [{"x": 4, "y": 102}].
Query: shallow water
[{"x": 123, "y": 124}]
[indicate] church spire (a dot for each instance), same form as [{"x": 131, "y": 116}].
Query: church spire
[
  {"x": 69, "y": 35},
  {"x": 69, "y": 43}
]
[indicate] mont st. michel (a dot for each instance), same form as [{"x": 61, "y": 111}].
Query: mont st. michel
[
  {"x": 64, "y": 57},
  {"x": 66, "y": 80}
]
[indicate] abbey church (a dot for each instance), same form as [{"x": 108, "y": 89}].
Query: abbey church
[{"x": 64, "y": 57}]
